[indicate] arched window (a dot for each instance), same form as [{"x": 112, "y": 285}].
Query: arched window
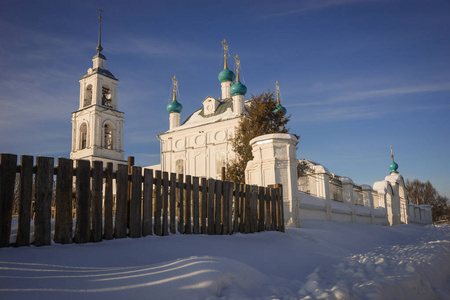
[
  {"x": 106, "y": 96},
  {"x": 88, "y": 95},
  {"x": 108, "y": 144},
  {"x": 83, "y": 136},
  {"x": 179, "y": 166}
]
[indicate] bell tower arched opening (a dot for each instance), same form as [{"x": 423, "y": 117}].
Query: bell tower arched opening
[{"x": 83, "y": 139}]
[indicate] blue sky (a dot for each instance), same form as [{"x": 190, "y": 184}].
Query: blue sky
[{"x": 356, "y": 76}]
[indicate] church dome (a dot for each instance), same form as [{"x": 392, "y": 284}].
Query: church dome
[
  {"x": 174, "y": 107},
  {"x": 393, "y": 167},
  {"x": 238, "y": 89},
  {"x": 226, "y": 75},
  {"x": 279, "y": 107}
]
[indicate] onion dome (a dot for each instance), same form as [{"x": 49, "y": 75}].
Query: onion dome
[
  {"x": 238, "y": 89},
  {"x": 393, "y": 167},
  {"x": 226, "y": 75},
  {"x": 174, "y": 107},
  {"x": 279, "y": 107}
]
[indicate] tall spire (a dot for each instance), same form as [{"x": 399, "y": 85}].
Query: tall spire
[
  {"x": 225, "y": 52},
  {"x": 175, "y": 86},
  {"x": 278, "y": 106},
  {"x": 174, "y": 106},
  {"x": 99, "y": 47},
  {"x": 238, "y": 88}
]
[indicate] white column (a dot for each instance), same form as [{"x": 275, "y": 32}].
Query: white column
[
  {"x": 323, "y": 187},
  {"x": 226, "y": 89},
  {"x": 238, "y": 105},
  {"x": 174, "y": 120},
  {"x": 347, "y": 191}
]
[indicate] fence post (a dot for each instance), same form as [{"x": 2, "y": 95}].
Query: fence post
[
  {"x": 64, "y": 187},
  {"x": 267, "y": 212},
  {"x": 8, "y": 166},
  {"x": 158, "y": 203},
  {"x": 44, "y": 187},
  {"x": 187, "y": 218},
  {"x": 165, "y": 204},
  {"x": 211, "y": 192},
  {"x": 172, "y": 202},
  {"x": 26, "y": 188},
  {"x": 120, "y": 228},
  {"x": 282, "y": 208},
  {"x": 135, "y": 202},
  {"x": 229, "y": 219},
  {"x": 241, "y": 207},
  {"x": 236, "y": 207},
  {"x": 195, "y": 204},
  {"x": 254, "y": 209},
  {"x": 97, "y": 201},
  {"x": 218, "y": 207},
  {"x": 248, "y": 209},
  {"x": 204, "y": 205},
  {"x": 226, "y": 213},
  {"x": 147, "y": 206},
  {"x": 261, "y": 217},
  {"x": 109, "y": 230},
  {"x": 180, "y": 204}
]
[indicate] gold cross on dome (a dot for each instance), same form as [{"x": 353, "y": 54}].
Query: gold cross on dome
[
  {"x": 225, "y": 45},
  {"x": 175, "y": 81},
  {"x": 100, "y": 13},
  {"x": 278, "y": 87},
  {"x": 238, "y": 61}
]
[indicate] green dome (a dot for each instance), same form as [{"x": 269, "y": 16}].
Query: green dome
[
  {"x": 174, "y": 107},
  {"x": 226, "y": 75},
  {"x": 393, "y": 167},
  {"x": 238, "y": 89},
  {"x": 278, "y": 108}
]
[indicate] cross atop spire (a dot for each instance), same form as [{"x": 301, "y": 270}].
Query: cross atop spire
[
  {"x": 225, "y": 52},
  {"x": 175, "y": 87},
  {"x": 238, "y": 64},
  {"x": 278, "y": 92},
  {"x": 99, "y": 47},
  {"x": 392, "y": 154}
]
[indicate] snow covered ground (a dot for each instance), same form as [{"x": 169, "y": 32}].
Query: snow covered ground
[{"x": 322, "y": 260}]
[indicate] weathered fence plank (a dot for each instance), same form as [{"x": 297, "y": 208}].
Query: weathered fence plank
[
  {"x": 187, "y": 218},
  {"x": 7, "y": 180},
  {"x": 44, "y": 188},
  {"x": 280, "y": 210},
  {"x": 120, "y": 228},
  {"x": 195, "y": 204},
  {"x": 225, "y": 208},
  {"x": 82, "y": 225},
  {"x": 218, "y": 207},
  {"x": 172, "y": 202},
  {"x": 147, "y": 206},
  {"x": 64, "y": 187},
  {"x": 97, "y": 201},
  {"x": 204, "y": 205},
  {"x": 267, "y": 212},
  {"x": 261, "y": 217},
  {"x": 158, "y": 203},
  {"x": 236, "y": 207},
  {"x": 165, "y": 214},
  {"x": 180, "y": 201},
  {"x": 25, "y": 195},
  {"x": 273, "y": 208},
  {"x": 248, "y": 209},
  {"x": 241, "y": 207},
  {"x": 229, "y": 219},
  {"x": 211, "y": 193},
  {"x": 135, "y": 202},
  {"x": 254, "y": 209},
  {"x": 108, "y": 205}
]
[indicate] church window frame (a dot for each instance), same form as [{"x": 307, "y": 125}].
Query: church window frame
[
  {"x": 83, "y": 136},
  {"x": 108, "y": 136},
  {"x": 88, "y": 95},
  {"x": 106, "y": 96}
]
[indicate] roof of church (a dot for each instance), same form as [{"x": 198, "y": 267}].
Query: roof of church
[{"x": 101, "y": 71}]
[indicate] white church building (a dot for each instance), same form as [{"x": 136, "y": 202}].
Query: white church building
[{"x": 201, "y": 146}]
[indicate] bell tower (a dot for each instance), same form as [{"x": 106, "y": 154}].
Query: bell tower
[{"x": 97, "y": 125}]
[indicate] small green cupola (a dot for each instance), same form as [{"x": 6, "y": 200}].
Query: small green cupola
[
  {"x": 393, "y": 166},
  {"x": 174, "y": 106},
  {"x": 238, "y": 88},
  {"x": 225, "y": 75},
  {"x": 278, "y": 106}
]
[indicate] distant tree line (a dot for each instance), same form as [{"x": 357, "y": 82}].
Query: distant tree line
[{"x": 424, "y": 193}]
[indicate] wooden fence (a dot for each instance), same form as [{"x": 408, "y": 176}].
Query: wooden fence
[{"x": 145, "y": 202}]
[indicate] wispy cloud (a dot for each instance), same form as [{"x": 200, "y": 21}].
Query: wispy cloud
[{"x": 305, "y": 6}]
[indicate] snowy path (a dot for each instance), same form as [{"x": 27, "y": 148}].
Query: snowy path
[{"x": 323, "y": 260}]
